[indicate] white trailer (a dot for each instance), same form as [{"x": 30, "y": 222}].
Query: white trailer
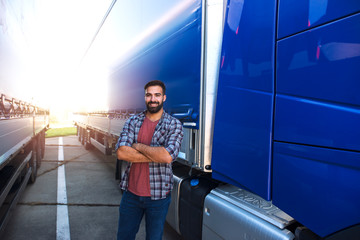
[{"x": 22, "y": 138}]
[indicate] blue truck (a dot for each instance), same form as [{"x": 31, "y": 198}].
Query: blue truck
[{"x": 269, "y": 96}]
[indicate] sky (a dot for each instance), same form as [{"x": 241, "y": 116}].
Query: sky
[
  {"x": 65, "y": 30},
  {"x": 50, "y": 38}
]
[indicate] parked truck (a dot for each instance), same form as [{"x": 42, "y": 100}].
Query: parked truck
[
  {"x": 22, "y": 137},
  {"x": 268, "y": 94},
  {"x": 22, "y": 123}
]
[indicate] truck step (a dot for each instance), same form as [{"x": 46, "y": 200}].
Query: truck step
[{"x": 230, "y": 211}]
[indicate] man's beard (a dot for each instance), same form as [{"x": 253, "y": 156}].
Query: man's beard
[{"x": 154, "y": 109}]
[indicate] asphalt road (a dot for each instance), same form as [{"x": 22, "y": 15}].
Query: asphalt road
[{"x": 92, "y": 198}]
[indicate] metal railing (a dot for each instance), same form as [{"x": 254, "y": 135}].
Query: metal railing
[{"x": 13, "y": 108}]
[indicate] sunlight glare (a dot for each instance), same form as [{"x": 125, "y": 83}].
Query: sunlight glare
[{"x": 58, "y": 41}]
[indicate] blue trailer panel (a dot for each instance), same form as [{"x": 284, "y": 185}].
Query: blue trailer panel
[
  {"x": 296, "y": 16},
  {"x": 318, "y": 186},
  {"x": 318, "y": 86},
  {"x": 173, "y": 57},
  {"x": 243, "y": 122},
  {"x": 317, "y": 123},
  {"x": 322, "y": 63},
  {"x": 316, "y": 153}
]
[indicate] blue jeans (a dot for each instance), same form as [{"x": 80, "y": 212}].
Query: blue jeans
[{"x": 133, "y": 207}]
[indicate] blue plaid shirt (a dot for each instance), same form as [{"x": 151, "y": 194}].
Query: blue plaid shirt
[{"x": 169, "y": 134}]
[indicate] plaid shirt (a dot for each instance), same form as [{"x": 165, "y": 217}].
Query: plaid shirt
[{"x": 168, "y": 133}]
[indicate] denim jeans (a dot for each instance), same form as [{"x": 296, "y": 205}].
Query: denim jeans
[{"x": 132, "y": 209}]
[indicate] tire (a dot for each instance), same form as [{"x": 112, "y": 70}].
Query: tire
[
  {"x": 83, "y": 132},
  {"x": 87, "y": 145},
  {"x": 33, "y": 162},
  {"x": 42, "y": 140},
  {"x": 39, "y": 151},
  {"x": 78, "y": 132},
  {"x": 108, "y": 151}
]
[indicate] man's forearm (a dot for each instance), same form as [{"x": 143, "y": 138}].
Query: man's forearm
[
  {"x": 130, "y": 154},
  {"x": 155, "y": 154}
]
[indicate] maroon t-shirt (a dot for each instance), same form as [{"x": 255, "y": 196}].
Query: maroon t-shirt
[{"x": 139, "y": 182}]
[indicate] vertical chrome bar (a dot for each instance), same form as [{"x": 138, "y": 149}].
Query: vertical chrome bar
[
  {"x": 198, "y": 153},
  {"x": 212, "y": 29}
]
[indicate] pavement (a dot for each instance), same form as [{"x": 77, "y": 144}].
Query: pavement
[{"x": 93, "y": 197}]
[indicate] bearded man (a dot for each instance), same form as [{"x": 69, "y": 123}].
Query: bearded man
[{"x": 150, "y": 141}]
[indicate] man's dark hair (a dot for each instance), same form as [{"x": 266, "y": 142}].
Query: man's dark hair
[{"x": 156, "y": 83}]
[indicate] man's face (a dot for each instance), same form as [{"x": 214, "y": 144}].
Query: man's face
[{"x": 154, "y": 99}]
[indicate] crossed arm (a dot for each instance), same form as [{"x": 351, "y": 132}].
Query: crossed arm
[{"x": 139, "y": 152}]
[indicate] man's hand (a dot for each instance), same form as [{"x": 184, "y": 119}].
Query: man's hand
[
  {"x": 130, "y": 154},
  {"x": 143, "y": 153},
  {"x": 155, "y": 154}
]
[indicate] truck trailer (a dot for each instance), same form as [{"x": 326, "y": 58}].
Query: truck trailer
[
  {"x": 22, "y": 136},
  {"x": 22, "y": 122},
  {"x": 268, "y": 95}
]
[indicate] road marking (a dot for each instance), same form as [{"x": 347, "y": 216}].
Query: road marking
[{"x": 62, "y": 215}]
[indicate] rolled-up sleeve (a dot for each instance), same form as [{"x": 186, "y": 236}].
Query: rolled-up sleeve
[
  {"x": 174, "y": 139},
  {"x": 127, "y": 135}
]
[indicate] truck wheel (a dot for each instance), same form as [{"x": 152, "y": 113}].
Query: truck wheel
[
  {"x": 87, "y": 145},
  {"x": 108, "y": 151},
  {"x": 79, "y": 130},
  {"x": 83, "y": 136},
  {"x": 42, "y": 139},
  {"x": 39, "y": 151},
  {"x": 33, "y": 162},
  {"x": 79, "y": 133}
]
